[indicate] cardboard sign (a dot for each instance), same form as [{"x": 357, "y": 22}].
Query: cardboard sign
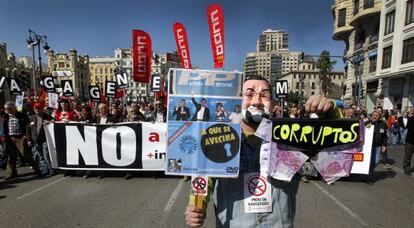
[
  {"x": 362, "y": 159},
  {"x": 311, "y": 135},
  {"x": 94, "y": 94},
  {"x": 281, "y": 88},
  {"x": 257, "y": 194},
  {"x": 52, "y": 100},
  {"x": 156, "y": 83},
  {"x": 110, "y": 89},
  {"x": 67, "y": 88},
  {"x": 15, "y": 88},
  {"x": 121, "y": 80},
  {"x": 48, "y": 84},
  {"x": 199, "y": 184}
]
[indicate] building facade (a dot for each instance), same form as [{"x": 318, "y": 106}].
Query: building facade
[
  {"x": 306, "y": 81},
  {"x": 272, "y": 57},
  {"x": 356, "y": 23},
  {"x": 72, "y": 67},
  {"x": 395, "y": 67},
  {"x": 101, "y": 69}
]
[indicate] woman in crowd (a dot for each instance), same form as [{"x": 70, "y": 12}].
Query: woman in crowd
[
  {"x": 64, "y": 113},
  {"x": 86, "y": 115}
]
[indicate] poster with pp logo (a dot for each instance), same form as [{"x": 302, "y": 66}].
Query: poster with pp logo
[{"x": 201, "y": 138}]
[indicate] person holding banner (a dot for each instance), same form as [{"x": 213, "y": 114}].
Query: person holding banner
[
  {"x": 36, "y": 138},
  {"x": 64, "y": 113},
  {"x": 228, "y": 194}
]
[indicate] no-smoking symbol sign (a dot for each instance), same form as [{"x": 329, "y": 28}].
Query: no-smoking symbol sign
[
  {"x": 257, "y": 186},
  {"x": 199, "y": 185}
]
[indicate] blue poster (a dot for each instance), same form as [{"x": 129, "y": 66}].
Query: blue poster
[{"x": 202, "y": 139}]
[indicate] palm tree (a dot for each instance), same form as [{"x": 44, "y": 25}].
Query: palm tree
[{"x": 325, "y": 66}]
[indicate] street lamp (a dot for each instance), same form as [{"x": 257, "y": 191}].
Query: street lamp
[{"x": 36, "y": 40}]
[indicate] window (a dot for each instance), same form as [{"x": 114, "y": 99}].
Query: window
[
  {"x": 409, "y": 14},
  {"x": 389, "y": 22},
  {"x": 356, "y": 7},
  {"x": 297, "y": 85},
  {"x": 61, "y": 65},
  {"x": 386, "y": 57},
  {"x": 368, "y": 4},
  {"x": 373, "y": 64},
  {"x": 341, "y": 17},
  {"x": 408, "y": 51},
  {"x": 100, "y": 71},
  {"x": 313, "y": 85}
]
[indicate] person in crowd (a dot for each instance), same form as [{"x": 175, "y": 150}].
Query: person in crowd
[
  {"x": 182, "y": 112},
  {"x": 379, "y": 143},
  {"x": 36, "y": 138},
  {"x": 393, "y": 128},
  {"x": 409, "y": 144},
  {"x": 142, "y": 106},
  {"x": 276, "y": 112},
  {"x": 15, "y": 128},
  {"x": 149, "y": 113},
  {"x": 349, "y": 113},
  {"x": 160, "y": 112},
  {"x": 3, "y": 154},
  {"x": 220, "y": 113},
  {"x": 103, "y": 116},
  {"x": 134, "y": 114},
  {"x": 403, "y": 121},
  {"x": 64, "y": 113},
  {"x": 236, "y": 116},
  {"x": 228, "y": 193},
  {"x": 86, "y": 115},
  {"x": 116, "y": 116},
  {"x": 202, "y": 113}
]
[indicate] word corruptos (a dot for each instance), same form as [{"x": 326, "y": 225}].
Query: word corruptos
[
  {"x": 103, "y": 146},
  {"x": 311, "y": 134}
]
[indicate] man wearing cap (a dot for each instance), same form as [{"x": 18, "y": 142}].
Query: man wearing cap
[
  {"x": 36, "y": 137},
  {"x": 228, "y": 193}
]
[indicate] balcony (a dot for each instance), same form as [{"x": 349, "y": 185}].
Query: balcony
[{"x": 367, "y": 9}]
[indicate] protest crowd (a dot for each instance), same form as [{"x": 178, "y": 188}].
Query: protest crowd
[
  {"x": 26, "y": 132},
  {"x": 22, "y": 133}
]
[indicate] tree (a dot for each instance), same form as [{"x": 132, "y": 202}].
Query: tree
[{"x": 325, "y": 66}]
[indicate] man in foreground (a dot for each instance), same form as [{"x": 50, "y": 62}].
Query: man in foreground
[{"x": 228, "y": 194}]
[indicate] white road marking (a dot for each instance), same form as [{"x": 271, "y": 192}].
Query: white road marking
[
  {"x": 174, "y": 195},
  {"x": 170, "y": 204},
  {"x": 41, "y": 188},
  {"x": 340, "y": 204}
]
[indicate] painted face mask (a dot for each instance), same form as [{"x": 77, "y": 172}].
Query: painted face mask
[{"x": 253, "y": 115}]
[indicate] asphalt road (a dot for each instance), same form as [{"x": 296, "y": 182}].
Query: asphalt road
[{"x": 154, "y": 200}]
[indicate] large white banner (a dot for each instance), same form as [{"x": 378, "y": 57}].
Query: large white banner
[
  {"x": 363, "y": 158},
  {"x": 126, "y": 146}
]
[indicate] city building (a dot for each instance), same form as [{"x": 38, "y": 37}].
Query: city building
[
  {"x": 71, "y": 67},
  {"x": 357, "y": 22},
  {"x": 306, "y": 80},
  {"x": 395, "y": 66},
  {"x": 101, "y": 69},
  {"x": 272, "y": 57}
]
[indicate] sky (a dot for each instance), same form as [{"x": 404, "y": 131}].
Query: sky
[{"x": 97, "y": 28}]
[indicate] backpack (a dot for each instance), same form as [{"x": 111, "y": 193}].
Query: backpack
[{"x": 395, "y": 128}]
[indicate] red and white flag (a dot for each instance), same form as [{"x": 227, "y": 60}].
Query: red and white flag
[
  {"x": 141, "y": 56},
  {"x": 215, "y": 18},
  {"x": 181, "y": 40}
]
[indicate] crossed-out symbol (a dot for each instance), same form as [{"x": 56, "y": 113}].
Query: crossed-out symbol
[
  {"x": 257, "y": 186},
  {"x": 199, "y": 183}
]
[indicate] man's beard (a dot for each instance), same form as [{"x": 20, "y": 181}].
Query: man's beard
[{"x": 254, "y": 116}]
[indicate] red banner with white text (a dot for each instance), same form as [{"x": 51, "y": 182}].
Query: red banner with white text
[
  {"x": 181, "y": 40},
  {"x": 216, "y": 25},
  {"x": 141, "y": 56}
]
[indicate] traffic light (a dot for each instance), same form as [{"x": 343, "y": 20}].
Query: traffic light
[
  {"x": 302, "y": 57},
  {"x": 361, "y": 93}
]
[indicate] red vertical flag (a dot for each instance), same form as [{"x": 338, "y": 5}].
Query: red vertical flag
[
  {"x": 181, "y": 40},
  {"x": 215, "y": 18},
  {"x": 141, "y": 56}
]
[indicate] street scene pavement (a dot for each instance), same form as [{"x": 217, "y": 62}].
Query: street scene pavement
[{"x": 151, "y": 199}]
